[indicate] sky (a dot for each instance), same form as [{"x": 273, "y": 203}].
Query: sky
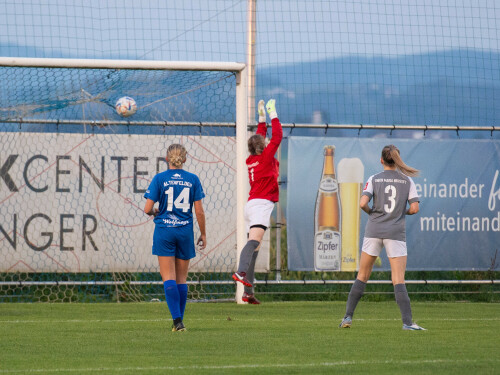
[
  {"x": 371, "y": 61},
  {"x": 287, "y": 31}
]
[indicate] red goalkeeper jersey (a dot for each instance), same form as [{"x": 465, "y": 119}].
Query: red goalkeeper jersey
[{"x": 263, "y": 169}]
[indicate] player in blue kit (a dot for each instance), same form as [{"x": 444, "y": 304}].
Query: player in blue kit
[
  {"x": 177, "y": 191},
  {"x": 391, "y": 191}
]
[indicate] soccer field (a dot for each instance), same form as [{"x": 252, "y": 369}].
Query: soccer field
[{"x": 226, "y": 338}]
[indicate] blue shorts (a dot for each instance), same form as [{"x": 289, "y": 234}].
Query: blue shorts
[{"x": 174, "y": 242}]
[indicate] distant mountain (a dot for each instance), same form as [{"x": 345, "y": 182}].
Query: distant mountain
[
  {"x": 453, "y": 87},
  {"x": 456, "y": 87}
]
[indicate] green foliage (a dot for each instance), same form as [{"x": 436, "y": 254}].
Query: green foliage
[
  {"x": 127, "y": 287},
  {"x": 374, "y": 292}
]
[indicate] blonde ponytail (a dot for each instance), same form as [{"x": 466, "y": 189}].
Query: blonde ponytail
[
  {"x": 391, "y": 157},
  {"x": 176, "y": 155}
]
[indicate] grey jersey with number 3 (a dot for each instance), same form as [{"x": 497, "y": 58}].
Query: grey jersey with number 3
[{"x": 390, "y": 190}]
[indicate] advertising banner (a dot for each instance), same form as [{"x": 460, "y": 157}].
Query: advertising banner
[
  {"x": 74, "y": 202},
  {"x": 457, "y": 228}
]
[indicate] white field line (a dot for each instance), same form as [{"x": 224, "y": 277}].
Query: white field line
[
  {"x": 236, "y": 319},
  {"x": 254, "y": 366}
]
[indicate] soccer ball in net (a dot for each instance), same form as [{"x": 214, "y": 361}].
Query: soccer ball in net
[{"x": 126, "y": 106}]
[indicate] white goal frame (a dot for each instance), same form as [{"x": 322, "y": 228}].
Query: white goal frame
[{"x": 239, "y": 69}]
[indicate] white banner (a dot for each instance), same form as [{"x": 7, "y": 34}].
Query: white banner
[{"x": 74, "y": 202}]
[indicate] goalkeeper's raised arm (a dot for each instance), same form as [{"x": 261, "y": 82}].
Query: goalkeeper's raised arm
[{"x": 277, "y": 131}]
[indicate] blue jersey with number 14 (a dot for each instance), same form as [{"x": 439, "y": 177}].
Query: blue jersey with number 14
[{"x": 176, "y": 190}]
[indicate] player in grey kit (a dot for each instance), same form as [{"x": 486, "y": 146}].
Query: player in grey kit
[{"x": 390, "y": 190}]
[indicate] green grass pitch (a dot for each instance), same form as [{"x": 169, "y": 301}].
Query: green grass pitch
[{"x": 226, "y": 338}]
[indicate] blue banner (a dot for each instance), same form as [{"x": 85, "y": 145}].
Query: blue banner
[{"x": 457, "y": 228}]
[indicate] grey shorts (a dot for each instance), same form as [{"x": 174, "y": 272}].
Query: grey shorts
[{"x": 393, "y": 248}]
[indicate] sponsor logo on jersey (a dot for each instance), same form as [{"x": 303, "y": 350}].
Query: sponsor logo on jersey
[
  {"x": 174, "y": 220},
  {"x": 390, "y": 180}
]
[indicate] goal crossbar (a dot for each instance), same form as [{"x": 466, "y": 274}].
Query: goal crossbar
[{"x": 120, "y": 64}]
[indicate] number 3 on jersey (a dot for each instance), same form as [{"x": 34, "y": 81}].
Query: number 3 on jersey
[
  {"x": 182, "y": 201},
  {"x": 391, "y": 190}
]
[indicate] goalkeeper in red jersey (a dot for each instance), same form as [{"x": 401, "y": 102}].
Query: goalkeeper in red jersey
[{"x": 263, "y": 171}]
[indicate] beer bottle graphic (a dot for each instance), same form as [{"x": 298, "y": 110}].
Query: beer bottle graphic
[
  {"x": 327, "y": 218},
  {"x": 350, "y": 179}
]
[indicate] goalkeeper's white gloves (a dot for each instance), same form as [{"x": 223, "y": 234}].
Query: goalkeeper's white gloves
[
  {"x": 271, "y": 109},
  {"x": 262, "y": 111}
]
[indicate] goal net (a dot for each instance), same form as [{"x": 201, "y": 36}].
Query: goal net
[{"x": 73, "y": 173}]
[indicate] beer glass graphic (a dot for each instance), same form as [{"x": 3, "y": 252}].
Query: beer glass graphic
[{"x": 350, "y": 179}]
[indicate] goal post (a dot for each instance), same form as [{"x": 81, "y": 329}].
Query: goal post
[{"x": 50, "y": 107}]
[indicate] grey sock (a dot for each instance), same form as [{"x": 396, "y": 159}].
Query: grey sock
[
  {"x": 251, "y": 273},
  {"x": 357, "y": 290},
  {"x": 403, "y": 302},
  {"x": 246, "y": 255}
]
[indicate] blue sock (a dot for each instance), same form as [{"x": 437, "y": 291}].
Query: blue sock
[
  {"x": 183, "y": 295},
  {"x": 172, "y": 297}
]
